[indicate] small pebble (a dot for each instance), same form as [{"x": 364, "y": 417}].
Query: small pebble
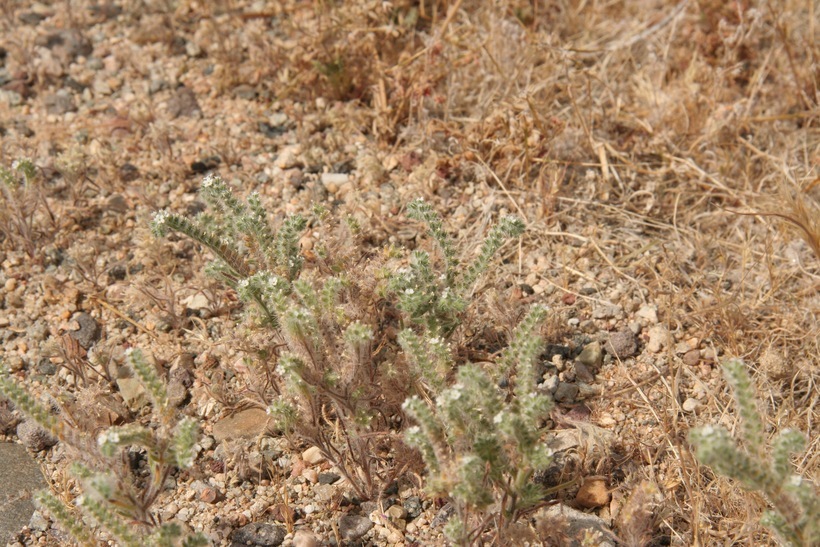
[
  {"x": 592, "y": 355},
  {"x": 659, "y": 338},
  {"x": 305, "y": 538},
  {"x": 691, "y": 405},
  {"x": 313, "y": 455},
  {"x": 622, "y": 344},
  {"x": 691, "y": 357},
  {"x": 311, "y": 475},
  {"x": 593, "y": 493}
]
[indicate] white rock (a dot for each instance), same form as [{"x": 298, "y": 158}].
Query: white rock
[
  {"x": 313, "y": 455},
  {"x": 648, "y": 312},
  {"x": 659, "y": 338},
  {"x": 288, "y": 157},
  {"x": 691, "y": 405},
  {"x": 336, "y": 179},
  {"x": 197, "y": 301},
  {"x": 304, "y": 538}
]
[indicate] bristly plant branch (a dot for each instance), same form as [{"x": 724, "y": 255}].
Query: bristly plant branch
[{"x": 796, "y": 514}]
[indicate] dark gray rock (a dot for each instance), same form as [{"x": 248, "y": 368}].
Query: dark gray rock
[
  {"x": 128, "y": 172},
  {"x": 180, "y": 379},
  {"x": 328, "y": 478},
  {"x": 31, "y": 18},
  {"x": 60, "y": 103},
  {"x": 443, "y": 515},
  {"x": 245, "y": 92},
  {"x": 622, "y": 344},
  {"x": 578, "y": 526},
  {"x": 259, "y": 534},
  {"x": 413, "y": 506},
  {"x": 67, "y": 45},
  {"x": 566, "y": 393},
  {"x": 592, "y": 355},
  {"x": 20, "y": 477},
  {"x": 353, "y": 527},
  {"x": 183, "y": 103},
  {"x": 88, "y": 332}
]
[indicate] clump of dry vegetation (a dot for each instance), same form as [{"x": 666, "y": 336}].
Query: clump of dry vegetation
[{"x": 662, "y": 156}]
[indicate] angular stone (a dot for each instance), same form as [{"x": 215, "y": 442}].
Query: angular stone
[
  {"x": 691, "y": 405},
  {"x": 328, "y": 478},
  {"x": 313, "y": 455},
  {"x": 353, "y": 527},
  {"x": 133, "y": 392},
  {"x": 87, "y": 332},
  {"x": 396, "y": 512},
  {"x": 183, "y": 103},
  {"x": 607, "y": 311},
  {"x": 622, "y": 344},
  {"x": 288, "y": 157},
  {"x": 592, "y": 355},
  {"x": 180, "y": 379},
  {"x": 59, "y": 103},
  {"x": 259, "y": 534},
  {"x": 648, "y": 312},
  {"x": 566, "y": 392},
  {"x": 413, "y": 506}
]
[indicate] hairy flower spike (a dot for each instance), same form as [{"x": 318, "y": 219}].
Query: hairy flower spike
[
  {"x": 420, "y": 210},
  {"x": 184, "y": 444},
  {"x": 508, "y": 228},
  {"x": 523, "y": 351},
  {"x": 246, "y": 247},
  {"x": 436, "y": 300},
  {"x": 287, "y": 254},
  {"x": 796, "y": 515},
  {"x": 476, "y": 442}
]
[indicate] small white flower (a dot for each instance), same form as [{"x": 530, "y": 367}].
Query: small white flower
[
  {"x": 160, "y": 217},
  {"x": 108, "y": 437},
  {"x": 409, "y": 291},
  {"x": 210, "y": 180}
]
